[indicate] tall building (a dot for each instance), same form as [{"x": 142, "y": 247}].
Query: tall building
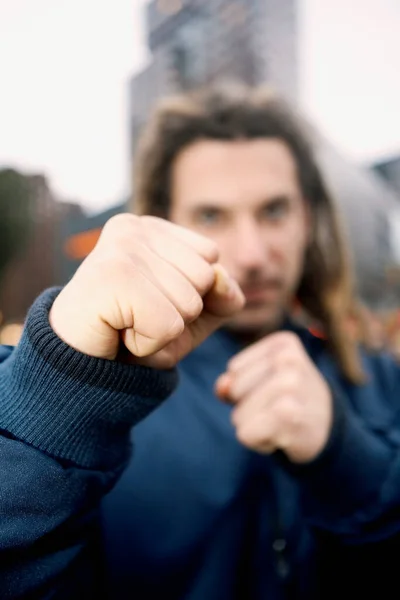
[{"x": 193, "y": 42}]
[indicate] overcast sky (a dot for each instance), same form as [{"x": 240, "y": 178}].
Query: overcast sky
[{"x": 64, "y": 66}]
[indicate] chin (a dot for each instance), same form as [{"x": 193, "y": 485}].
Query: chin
[{"x": 256, "y": 321}]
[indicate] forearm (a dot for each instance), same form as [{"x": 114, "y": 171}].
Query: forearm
[
  {"x": 49, "y": 522},
  {"x": 353, "y": 488},
  {"x": 65, "y": 420}
]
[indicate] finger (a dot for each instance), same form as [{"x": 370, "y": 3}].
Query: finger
[
  {"x": 269, "y": 363},
  {"x": 267, "y": 348},
  {"x": 225, "y": 297},
  {"x": 222, "y": 302},
  {"x": 176, "y": 287},
  {"x": 258, "y": 433},
  {"x": 254, "y": 353},
  {"x": 151, "y": 320},
  {"x": 222, "y": 387},
  {"x": 185, "y": 259},
  {"x": 236, "y": 386},
  {"x": 199, "y": 243},
  {"x": 281, "y": 384},
  {"x": 197, "y": 331},
  {"x": 272, "y": 429}
]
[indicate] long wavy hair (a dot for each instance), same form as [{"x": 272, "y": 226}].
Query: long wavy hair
[{"x": 232, "y": 112}]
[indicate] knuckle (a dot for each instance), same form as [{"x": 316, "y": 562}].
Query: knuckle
[
  {"x": 122, "y": 230},
  {"x": 116, "y": 264},
  {"x": 204, "y": 278},
  {"x": 248, "y": 436},
  {"x": 212, "y": 250},
  {"x": 107, "y": 266},
  {"x": 121, "y": 222},
  {"x": 192, "y": 309},
  {"x": 208, "y": 247},
  {"x": 287, "y": 411},
  {"x": 244, "y": 434},
  {"x": 293, "y": 380},
  {"x": 152, "y": 228},
  {"x": 289, "y": 338},
  {"x": 233, "y": 364},
  {"x": 150, "y": 221},
  {"x": 175, "y": 327}
]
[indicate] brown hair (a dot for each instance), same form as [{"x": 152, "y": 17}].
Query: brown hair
[{"x": 238, "y": 112}]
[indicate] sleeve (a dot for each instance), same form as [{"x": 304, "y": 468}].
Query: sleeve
[
  {"x": 65, "y": 421},
  {"x": 352, "y": 489}
]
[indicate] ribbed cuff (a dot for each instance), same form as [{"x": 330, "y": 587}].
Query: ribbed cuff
[
  {"x": 70, "y": 405},
  {"x": 348, "y": 474}
]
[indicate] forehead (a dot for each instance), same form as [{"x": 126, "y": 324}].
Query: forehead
[{"x": 231, "y": 171}]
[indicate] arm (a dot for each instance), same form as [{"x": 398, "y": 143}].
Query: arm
[
  {"x": 148, "y": 294},
  {"x": 65, "y": 419},
  {"x": 352, "y": 488},
  {"x": 351, "y": 491},
  {"x": 342, "y": 445}
]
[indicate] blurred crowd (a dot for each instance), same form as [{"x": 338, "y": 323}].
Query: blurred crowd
[
  {"x": 381, "y": 331},
  {"x": 10, "y": 334},
  {"x": 376, "y": 331}
]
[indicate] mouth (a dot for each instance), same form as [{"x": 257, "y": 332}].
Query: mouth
[{"x": 262, "y": 293}]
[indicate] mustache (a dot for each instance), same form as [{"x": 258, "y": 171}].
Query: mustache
[{"x": 261, "y": 282}]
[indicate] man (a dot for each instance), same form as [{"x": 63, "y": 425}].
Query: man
[{"x": 288, "y": 486}]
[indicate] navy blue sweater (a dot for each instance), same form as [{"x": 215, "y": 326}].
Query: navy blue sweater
[{"x": 193, "y": 515}]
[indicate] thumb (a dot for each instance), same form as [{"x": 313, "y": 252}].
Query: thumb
[{"x": 223, "y": 301}]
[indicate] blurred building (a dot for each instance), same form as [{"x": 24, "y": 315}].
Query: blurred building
[
  {"x": 389, "y": 169},
  {"x": 193, "y": 42},
  {"x": 366, "y": 203},
  {"x": 36, "y": 267}
]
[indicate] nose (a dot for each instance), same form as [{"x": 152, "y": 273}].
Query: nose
[{"x": 250, "y": 246}]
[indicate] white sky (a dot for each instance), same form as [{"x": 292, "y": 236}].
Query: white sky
[
  {"x": 351, "y": 73},
  {"x": 64, "y": 66}
]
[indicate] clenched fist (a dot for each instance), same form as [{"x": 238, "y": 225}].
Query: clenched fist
[
  {"x": 150, "y": 287},
  {"x": 281, "y": 401}
]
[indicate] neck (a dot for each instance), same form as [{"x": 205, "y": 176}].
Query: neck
[{"x": 246, "y": 337}]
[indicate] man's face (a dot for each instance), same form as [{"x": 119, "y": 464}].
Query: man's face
[{"x": 245, "y": 195}]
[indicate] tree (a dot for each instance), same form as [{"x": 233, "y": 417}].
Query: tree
[{"x": 15, "y": 215}]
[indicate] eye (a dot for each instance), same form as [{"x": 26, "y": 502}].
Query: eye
[
  {"x": 276, "y": 210},
  {"x": 208, "y": 216}
]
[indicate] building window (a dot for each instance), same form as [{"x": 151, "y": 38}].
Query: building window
[{"x": 189, "y": 54}]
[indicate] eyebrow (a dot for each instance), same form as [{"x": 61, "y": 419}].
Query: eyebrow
[
  {"x": 208, "y": 205},
  {"x": 214, "y": 205},
  {"x": 277, "y": 198}
]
